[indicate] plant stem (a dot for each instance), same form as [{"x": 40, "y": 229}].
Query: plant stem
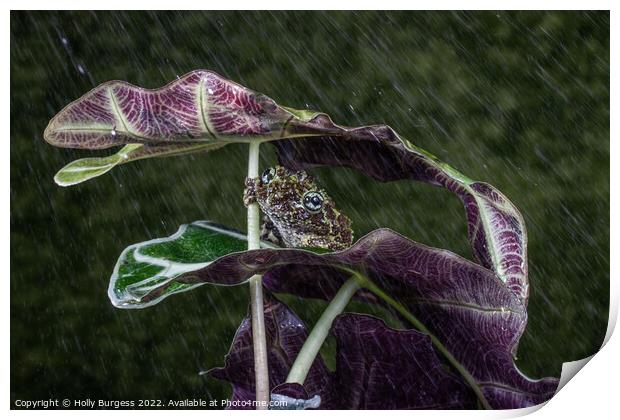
[
  {"x": 259, "y": 336},
  {"x": 315, "y": 340}
]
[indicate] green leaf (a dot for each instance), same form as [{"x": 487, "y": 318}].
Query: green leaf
[
  {"x": 84, "y": 169},
  {"x": 154, "y": 265},
  {"x": 304, "y": 115}
]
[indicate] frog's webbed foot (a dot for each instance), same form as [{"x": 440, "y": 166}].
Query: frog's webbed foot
[
  {"x": 270, "y": 233},
  {"x": 249, "y": 193}
]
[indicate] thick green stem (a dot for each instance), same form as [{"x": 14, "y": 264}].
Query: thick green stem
[
  {"x": 315, "y": 340},
  {"x": 259, "y": 335}
]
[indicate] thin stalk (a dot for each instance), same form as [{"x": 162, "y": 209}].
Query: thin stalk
[
  {"x": 259, "y": 336},
  {"x": 315, "y": 340},
  {"x": 368, "y": 284}
]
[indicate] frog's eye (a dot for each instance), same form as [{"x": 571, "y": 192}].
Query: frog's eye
[
  {"x": 313, "y": 201},
  {"x": 268, "y": 175}
]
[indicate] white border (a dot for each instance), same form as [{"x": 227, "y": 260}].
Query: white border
[{"x": 591, "y": 395}]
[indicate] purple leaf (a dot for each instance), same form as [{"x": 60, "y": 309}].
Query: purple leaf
[
  {"x": 381, "y": 368},
  {"x": 495, "y": 226},
  {"x": 377, "y": 367},
  {"x": 466, "y": 307},
  {"x": 198, "y": 107},
  {"x": 200, "y": 111}
]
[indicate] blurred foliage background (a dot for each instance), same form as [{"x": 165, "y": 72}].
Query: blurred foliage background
[{"x": 519, "y": 100}]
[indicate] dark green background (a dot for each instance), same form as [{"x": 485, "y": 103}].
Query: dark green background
[{"x": 520, "y": 100}]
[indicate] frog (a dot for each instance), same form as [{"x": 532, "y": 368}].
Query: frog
[{"x": 297, "y": 213}]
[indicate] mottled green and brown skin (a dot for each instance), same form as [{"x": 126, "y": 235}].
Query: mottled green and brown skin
[{"x": 297, "y": 213}]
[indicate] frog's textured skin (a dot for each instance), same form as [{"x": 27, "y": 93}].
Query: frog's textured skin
[{"x": 297, "y": 213}]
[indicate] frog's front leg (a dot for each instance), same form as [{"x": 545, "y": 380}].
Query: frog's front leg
[
  {"x": 269, "y": 232},
  {"x": 249, "y": 193}
]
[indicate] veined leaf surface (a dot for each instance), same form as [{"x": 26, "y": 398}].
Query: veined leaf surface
[{"x": 149, "y": 271}]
